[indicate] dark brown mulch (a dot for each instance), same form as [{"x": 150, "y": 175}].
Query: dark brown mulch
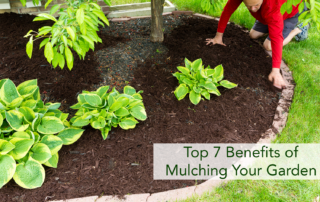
[{"x": 122, "y": 164}]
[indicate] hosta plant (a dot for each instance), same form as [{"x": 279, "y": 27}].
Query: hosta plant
[
  {"x": 75, "y": 29},
  {"x": 103, "y": 110},
  {"x": 199, "y": 81},
  {"x": 31, "y": 134}
]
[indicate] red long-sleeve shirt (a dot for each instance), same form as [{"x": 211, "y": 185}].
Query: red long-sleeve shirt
[{"x": 268, "y": 14}]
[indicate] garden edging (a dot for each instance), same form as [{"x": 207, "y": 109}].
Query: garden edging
[{"x": 278, "y": 124}]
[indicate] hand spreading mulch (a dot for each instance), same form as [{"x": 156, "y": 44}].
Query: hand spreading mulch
[{"x": 123, "y": 163}]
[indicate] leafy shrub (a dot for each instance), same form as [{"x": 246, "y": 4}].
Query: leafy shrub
[
  {"x": 28, "y": 129},
  {"x": 104, "y": 110},
  {"x": 197, "y": 81},
  {"x": 75, "y": 29}
]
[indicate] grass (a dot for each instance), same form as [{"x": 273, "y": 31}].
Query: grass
[
  {"x": 303, "y": 125},
  {"x": 119, "y": 2}
]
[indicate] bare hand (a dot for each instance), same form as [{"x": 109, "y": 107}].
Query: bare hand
[
  {"x": 215, "y": 41},
  {"x": 276, "y": 78}
]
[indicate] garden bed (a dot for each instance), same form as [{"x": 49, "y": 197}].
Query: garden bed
[{"x": 123, "y": 163}]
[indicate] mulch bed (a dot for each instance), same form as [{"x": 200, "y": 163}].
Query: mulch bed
[{"x": 123, "y": 163}]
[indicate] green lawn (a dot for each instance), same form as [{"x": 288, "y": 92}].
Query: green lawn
[
  {"x": 303, "y": 125},
  {"x": 119, "y": 2}
]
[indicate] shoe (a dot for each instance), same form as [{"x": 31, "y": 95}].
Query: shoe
[{"x": 304, "y": 34}]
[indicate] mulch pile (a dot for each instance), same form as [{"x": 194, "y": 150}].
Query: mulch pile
[{"x": 123, "y": 163}]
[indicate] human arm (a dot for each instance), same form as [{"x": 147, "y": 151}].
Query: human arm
[
  {"x": 275, "y": 26},
  {"x": 228, "y": 10}
]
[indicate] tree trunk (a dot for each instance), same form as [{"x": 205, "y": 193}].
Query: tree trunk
[{"x": 156, "y": 21}]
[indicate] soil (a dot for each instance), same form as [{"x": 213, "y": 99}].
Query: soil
[{"x": 123, "y": 163}]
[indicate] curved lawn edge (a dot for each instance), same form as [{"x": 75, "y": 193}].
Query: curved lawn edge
[{"x": 279, "y": 122}]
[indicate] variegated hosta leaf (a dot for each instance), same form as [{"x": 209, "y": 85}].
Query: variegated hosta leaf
[
  {"x": 41, "y": 152},
  {"x": 28, "y": 114},
  {"x": 27, "y": 91},
  {"x": 121, "y": 102},
  {"x": 105, "y": 132},
  {"x": 8, "y": 91},
  {"x": 128, "y": 123},
  {"x": 36, "y": 122},
  {"x": 196, "y": 65},
  {"x": 50, "y": 125},
  {"x": 181, "y": 91},
  {"x": 121, "y": 112},
  {"x": 22, "y": 147},
  {"x": 8, "y": 168},
  {"x": 53, "y": 106},
  {"x": 53, "y": 161},
  {"x": 187, "y": 81},
  {"x": 93, "y": 100},
  {"x": 70, "y": 135},
  {"x": 197, "y": 89},
  {"x": 29, "y": 175},
  {"x": 205, "y": 94},
  {"x": 34, "y": 135},
  {"x": 195, "y": 97},
  {"x": 15, "y": 103},
  {"x": 24, "y": 85},
  {"x": 98, "y": 123},
  {"x": 129, "y": 90},
  {"x": 210, "y": 86},
  {"x": 210, "y": 71},
  {"x": 15, "y": 119},
  {"x": 216, "y": 92},
  {"x": 187, "y": 63},
  {"x": 218, "y": 73},
  {"x": 79, "y": 122},
  {"x": 139, "y": 113},
  {"x": 184, "y": 70},
  {"x": 5, "y": 147},
  {"x": 53, "y": 142},
  {"x": 81, "y": 99},
  {"x": 76, "y": 106},
  {"x": 21, "y": 134},
  {"x": 137, "y": 96},
  {"x": 102, "y": 91},
  {"x": 228, "y": 84}
]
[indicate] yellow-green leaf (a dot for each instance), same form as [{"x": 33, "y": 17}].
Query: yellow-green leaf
[
  {"x": 30, "y": 47},
  {"x": 80, "y": 16},
  {"x": 48, "y": 52},
  {"x": 181, "y": 91},
  {"x": 71, "y": 33},
  {"x": 194, "y": 97},
  {"x": 29, "y": 175},
  {"x": 69, "y": 57}
]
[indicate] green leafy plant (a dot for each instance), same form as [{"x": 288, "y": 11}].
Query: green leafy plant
[
  {"x": 104, "y": 110},
  {"x": 208, "y": 5},
  {"x": 31, "y": 134},
  {"x": 75, "y": 29},
  {"x": 313, "y": 12},
  {"x": 199, "y": 81}
]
